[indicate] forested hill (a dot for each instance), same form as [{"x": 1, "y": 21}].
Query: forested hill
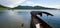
[
  {"x": 26, "y": 7},
  {"x": 31, "y": 7},
  {"x": 2, "y": 7}
]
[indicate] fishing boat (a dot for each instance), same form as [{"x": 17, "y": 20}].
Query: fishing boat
[{"x": 37, "y": 22}]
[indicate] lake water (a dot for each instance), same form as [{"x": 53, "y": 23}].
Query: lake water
[{"x": 14, "y": 18}]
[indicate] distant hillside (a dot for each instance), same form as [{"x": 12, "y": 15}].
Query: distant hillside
[
  {"x": 31, "y": 7},
  {"x": 2, "y": 7},
  {"x": 25, "y": 7}
]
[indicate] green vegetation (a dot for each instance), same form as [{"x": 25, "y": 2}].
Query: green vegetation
[
  {"x": 2, "y": 7},
  {"x": 31, "y": 7},
  {"x": 25, "y": 7}
]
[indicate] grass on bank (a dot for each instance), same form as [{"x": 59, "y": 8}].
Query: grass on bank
[{"x": 3, "y": 8}]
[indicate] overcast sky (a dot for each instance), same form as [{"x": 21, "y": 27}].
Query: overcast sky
[
  {"x": 11, "y": 3},
  {"x": 45, "y": 3}
]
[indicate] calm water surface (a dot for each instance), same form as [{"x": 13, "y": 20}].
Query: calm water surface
[{"x": 14, "y": 18}]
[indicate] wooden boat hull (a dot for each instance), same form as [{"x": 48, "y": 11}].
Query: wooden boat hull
[{"x": 35, "y": 20}]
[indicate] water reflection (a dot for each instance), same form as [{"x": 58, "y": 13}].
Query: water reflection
[
  {"x": 14, "y": 19},
  {"x": 1, "y": 12},
  {"x": 11, "y": 12}
]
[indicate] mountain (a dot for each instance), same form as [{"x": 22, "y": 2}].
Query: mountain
[
  {"x": 2, "y": 7},
  {"x": 31, "y": 7},
  {"x": 26, "y": 7}
]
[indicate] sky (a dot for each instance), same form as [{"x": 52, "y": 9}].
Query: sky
[
  {"x": 44, "y": 3},
  {"x": 11, "y": 3}
]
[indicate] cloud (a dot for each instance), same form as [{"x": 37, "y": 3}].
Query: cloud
[
  {"x": 57, "y": 6},
  {"x": 11, "y": 3},
  {"x": 14, "y": 3},
  {"x": 30, "y": 3}
]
